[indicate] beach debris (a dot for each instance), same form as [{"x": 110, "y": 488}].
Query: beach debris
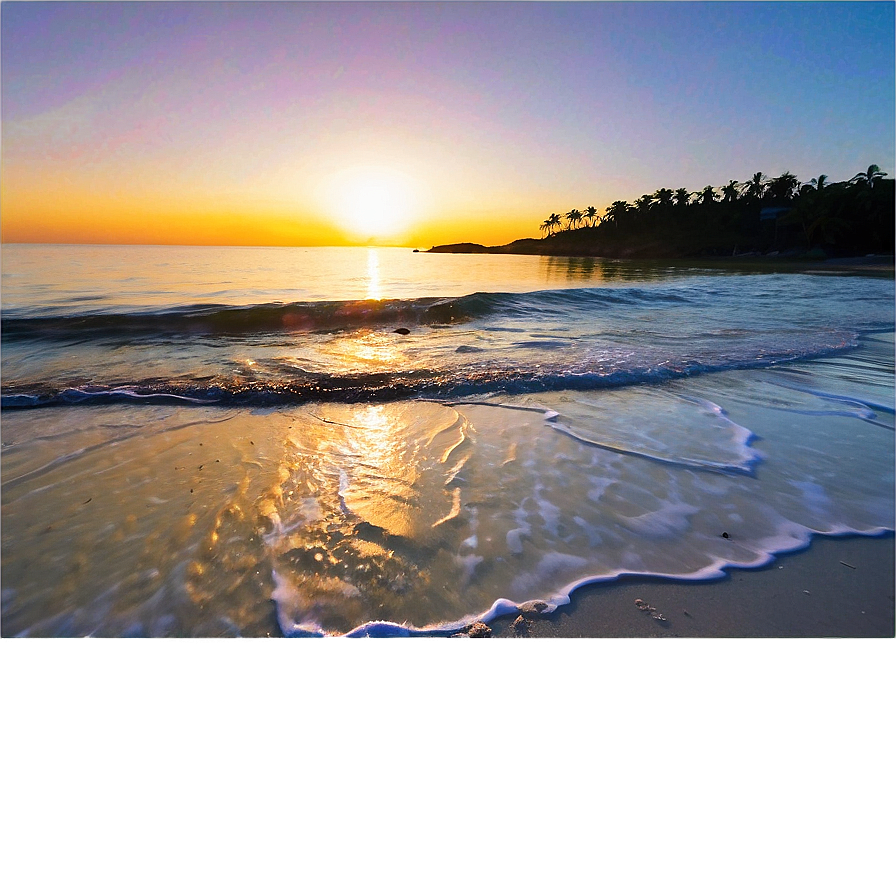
[
  {"x": 805, "y": 592},
  {"x": 645, "y": 607},
  {"x": 402, "y": 331},
  {"x": 474, "y": 630},
  {"x": 533, "y": 607},
  {"x": 520, "y": 626},
  {"x": 687, "y": 614},
  {"x": 844, "y": 563},
  {"x": 725, "y": 535}
]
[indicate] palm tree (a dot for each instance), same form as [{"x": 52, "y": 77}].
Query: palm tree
[
  {"x": 590, "y": 214},
  {"x": 545, "y": 226},
  {"x": 783, "y": 187},
  {"x": 682, "y": 196},
  {"x": 731, "y": 191},
  {"x": 755, "y": 186},
  {"x": 555, "y": 220},
  {"x": 644, "y": 202},
  {"x": 616, "y": 212},
  {"x": 818, "y": 183},
  {"x": 573, "y": 216},
  {"x": 707, "y": 195},
  {"x": 869, "y": 177},
  {"x": 663, "y": 197}
]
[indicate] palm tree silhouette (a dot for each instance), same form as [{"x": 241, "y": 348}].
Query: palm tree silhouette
[
  {"x": 616, "y": 212},
  {"x": 663, "y": 197},
  {"x": 846, "y": 216},
  {"x": 869, "y": 177},
  {"x": 783, "y": 187},
  {"x": 643, "y": 203},
  {"x": 755, "y": 186},
  {"x": 731, "y": 191}
]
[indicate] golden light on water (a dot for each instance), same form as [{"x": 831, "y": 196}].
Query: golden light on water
[
  {"x": 373, "y": 275},
  {"x": 383, "y": 484}
]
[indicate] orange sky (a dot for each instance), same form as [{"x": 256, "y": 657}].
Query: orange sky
[{"x": 64, "y": 207}]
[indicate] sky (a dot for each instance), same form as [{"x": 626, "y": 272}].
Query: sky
[{"x": 417, "y": 123}]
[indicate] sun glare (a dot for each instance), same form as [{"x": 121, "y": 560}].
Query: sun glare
[{"x": 373, "y": 203}]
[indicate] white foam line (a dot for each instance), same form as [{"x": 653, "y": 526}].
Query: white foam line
[
  {"x": 550, "y": 416},
  {"x": 562, "y": 597},
  {"x": 845, "y": 399},
  {"x": 745, "y": 467}
]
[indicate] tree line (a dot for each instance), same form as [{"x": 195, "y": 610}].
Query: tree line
[{"x": 757, "y": 215}]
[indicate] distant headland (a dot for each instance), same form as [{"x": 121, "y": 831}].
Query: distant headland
[{"x": 759, "y": 217}]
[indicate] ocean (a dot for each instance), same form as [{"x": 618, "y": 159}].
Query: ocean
[{"x": 206, "y": 442}]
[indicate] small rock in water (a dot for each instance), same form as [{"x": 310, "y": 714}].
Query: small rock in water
[
  {"x": 402, "y": 331},
  {"x": 725, "y": 535},
  {"x": 478, "y": 630},
  {"x": 520, "y": 626}
]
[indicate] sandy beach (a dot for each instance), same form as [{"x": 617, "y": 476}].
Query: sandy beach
[{"x": 838, "y": 587}]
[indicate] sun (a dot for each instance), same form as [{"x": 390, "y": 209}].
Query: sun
[{"x": 373, "y": 203}]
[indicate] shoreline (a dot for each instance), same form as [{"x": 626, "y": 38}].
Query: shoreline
[
  {"x": 883, "y": 264},
  {"x": 837, "y": 587}
]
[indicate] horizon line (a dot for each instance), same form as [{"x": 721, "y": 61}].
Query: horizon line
[{"x": 216, "y": 245}]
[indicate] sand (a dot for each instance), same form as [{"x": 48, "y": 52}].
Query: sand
[
  {"x": 838, "y": 587},
  {"x": 151, "y": 521}
]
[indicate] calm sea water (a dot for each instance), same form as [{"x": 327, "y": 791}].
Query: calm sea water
[{"x": 257, "y": 441}]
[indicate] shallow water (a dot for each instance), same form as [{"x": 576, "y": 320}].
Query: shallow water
[{"x": 664, "y": 423}]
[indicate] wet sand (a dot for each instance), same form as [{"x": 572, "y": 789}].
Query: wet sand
[{"x": 837, "y": 588}]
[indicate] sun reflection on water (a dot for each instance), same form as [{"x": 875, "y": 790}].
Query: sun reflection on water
[
  {"x": 374, "y": 291},
  {"x": 382, "y": 488},
  {"x": 358, "y": 520}
]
